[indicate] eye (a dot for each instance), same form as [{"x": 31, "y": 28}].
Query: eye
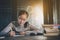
[{"x": 19, "y": 17}]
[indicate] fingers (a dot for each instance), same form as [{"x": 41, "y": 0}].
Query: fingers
[
  {"x": 12, "y": 33},
  {"x": 22, "y": 33}
]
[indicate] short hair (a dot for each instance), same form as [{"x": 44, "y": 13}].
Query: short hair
[{"x": 22, "y": 12}]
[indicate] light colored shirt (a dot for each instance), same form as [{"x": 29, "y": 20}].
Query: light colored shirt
[{"x": 15, "y": 26}]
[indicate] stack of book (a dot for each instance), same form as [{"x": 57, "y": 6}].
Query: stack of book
[{"x": 51, "y": 30}]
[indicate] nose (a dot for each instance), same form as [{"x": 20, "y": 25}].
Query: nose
[{"x": 21, "y": 21}]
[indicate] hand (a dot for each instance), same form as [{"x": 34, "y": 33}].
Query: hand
[
  {"x": 12, "y": 33},
  {"x": 22, "y": 33},
  {"x": 36, "y": 30}
]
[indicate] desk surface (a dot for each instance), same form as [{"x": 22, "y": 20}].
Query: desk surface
[
  {"x": 25, "y": 38},
  {"x": 32, "y": 38}
]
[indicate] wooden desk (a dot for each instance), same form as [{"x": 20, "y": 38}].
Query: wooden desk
[{"x": 25, "y": 38}]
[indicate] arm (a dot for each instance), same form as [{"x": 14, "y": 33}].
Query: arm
[
  {"x": 38, "y": 29},
  {"x": 33, "y": 28},
  {"x": 7, "y": 29},
  {"x": 11, "y": 33}
]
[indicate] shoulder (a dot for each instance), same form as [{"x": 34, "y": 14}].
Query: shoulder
[
  {"x": 15, "y": 23},
  {"x": 12, "y": 23}
]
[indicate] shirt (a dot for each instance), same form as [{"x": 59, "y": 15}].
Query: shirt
[{"x": 16, "y": 27}]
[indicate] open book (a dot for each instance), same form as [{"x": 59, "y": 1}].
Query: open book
[{"x": 30, "y": 33}]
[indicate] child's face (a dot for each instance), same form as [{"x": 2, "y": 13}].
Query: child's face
[{"x": 22, "y": 19}]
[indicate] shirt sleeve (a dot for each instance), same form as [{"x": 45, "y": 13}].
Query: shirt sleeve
[
  {"x": 33, "y": 27},
  {"x": 11, "y": 26},
  {"x": 6, "y": 29},
  {"x": 40, "y": 29}
]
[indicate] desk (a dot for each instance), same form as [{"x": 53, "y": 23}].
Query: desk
[
  {"x": 25, "y": 38},
  {"x": 32, "y": 38}
]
